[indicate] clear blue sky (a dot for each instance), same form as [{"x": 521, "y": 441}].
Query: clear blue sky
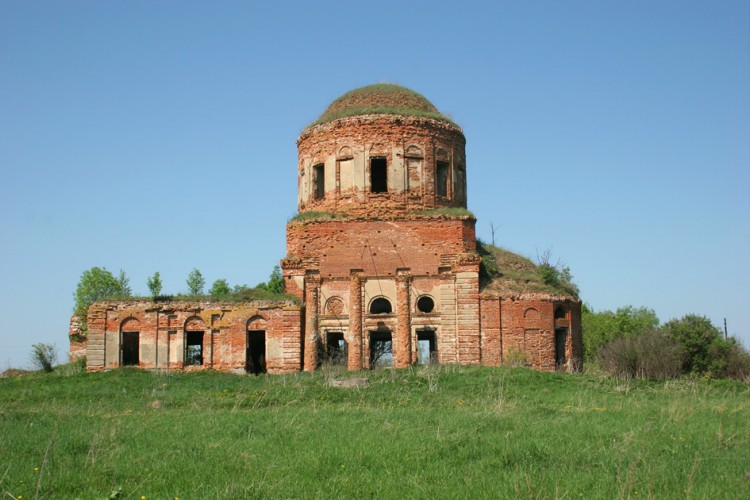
[{"x": 160, "y": 136}]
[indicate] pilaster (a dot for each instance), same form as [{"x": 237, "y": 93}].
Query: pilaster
[
  {"x": 402, "y": 351},
  {"x": 312, "y": 293},
  {"x": 354, "y": 361}
]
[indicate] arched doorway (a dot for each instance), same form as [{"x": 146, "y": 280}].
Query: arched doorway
[
  {"x": 130, "y": 340},
  {"x": 194, "y": 333},
  {"x": 255, "y": 346}
]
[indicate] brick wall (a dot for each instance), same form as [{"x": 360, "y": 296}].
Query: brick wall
[
  {"x": 412, "y": 148},
  {"x": 377, "y": 247},
  {"x": 162, "y": 328},
  {"x": 513, "y": 327}
]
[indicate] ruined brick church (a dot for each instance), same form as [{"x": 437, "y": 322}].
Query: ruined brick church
[{"x": 382, "y": 259}]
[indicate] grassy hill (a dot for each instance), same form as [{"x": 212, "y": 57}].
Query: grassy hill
[{"x": 443, "y": 431}]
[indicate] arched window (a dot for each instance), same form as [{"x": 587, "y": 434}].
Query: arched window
[{"x": 380, "y": 305}]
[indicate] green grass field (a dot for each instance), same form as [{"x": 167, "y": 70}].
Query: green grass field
[{"x": 445, "y": 432}]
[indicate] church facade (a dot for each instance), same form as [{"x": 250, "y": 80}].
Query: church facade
[{"x": 382, "y": 260}]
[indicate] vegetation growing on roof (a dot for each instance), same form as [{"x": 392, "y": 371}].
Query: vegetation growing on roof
[
  {"x": 556, "y": 275},
  {"x": 220, "y": 289},
  {"x": 239, "y": 294},
  {"x": 506, "y": 272},
  {"x": 97, "y": 284},
  {"x": 154, "y": 284},
  {"x": 258, "y": 293},
  {"x": 381, "y": 98},
  {"x": 195, "y": 282},
  {"x": 272, "y": 290},
  {"x": 275, "y": 283},
  {"x": 379, "y": 110},
  {"x": 450, "y": 211},
  {"x": 316, "y": 215}
]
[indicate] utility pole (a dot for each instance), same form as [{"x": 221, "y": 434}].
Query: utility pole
[{"x": 725, "y": 329}]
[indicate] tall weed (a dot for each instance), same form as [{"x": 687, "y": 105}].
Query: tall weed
[{"x": 650, "y": 355}]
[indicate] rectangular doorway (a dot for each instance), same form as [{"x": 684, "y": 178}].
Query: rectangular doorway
[
  {"x": 130, "y": 348},
  {"x": 426, "y": 347},
  {"x": 193, "y": 348},
  {"x": 335, "y": 348},
  {"x": 381, "y": 349},
  {"x": 561, "y": 339},
  {"x": 255, "y": 354}
]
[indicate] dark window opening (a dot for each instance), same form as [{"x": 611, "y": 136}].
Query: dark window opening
[
  {"x": 130, "y": 349},
  {"x": 378, "y": 175},
  {"x": 559, "y": 313},
  {"x": 193, "y": 348},
  {"x": 425, "y": 304},
  {"x": 255, "y": 354},
  {"x": 335, "y": 348},
  {"x": 380, "y": 306},
  {"x": 561, "y": 339},
  {"x": 426, "y": 347},
  {"x": 320, "y": 181},
  {"x": 381, "y": 349},
  {"x": 442, "y": 178}
]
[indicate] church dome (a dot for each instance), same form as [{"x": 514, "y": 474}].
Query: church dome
[{"x": 381, "y": 98}]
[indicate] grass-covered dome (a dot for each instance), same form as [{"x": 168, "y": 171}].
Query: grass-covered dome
[{"x": 381, "y": 98}]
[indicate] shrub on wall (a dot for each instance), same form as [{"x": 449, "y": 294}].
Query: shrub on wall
[
  {"x": 275, "y": 282},
  {"x": 220, "y": 289},
  {"x": 97, "y": 284}
]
